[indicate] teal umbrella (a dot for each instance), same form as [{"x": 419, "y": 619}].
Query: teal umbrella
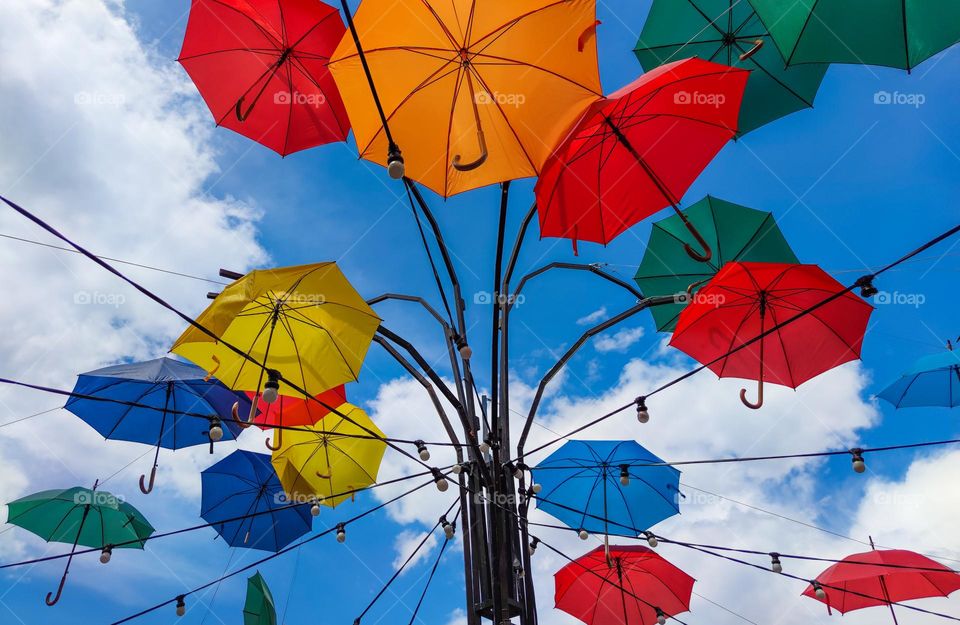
[
  {"x": 259, "y": 608},
  {"x": 729, "y": 32}
]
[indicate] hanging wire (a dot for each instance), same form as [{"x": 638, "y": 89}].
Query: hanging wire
[{"x": 426, "y": 586}]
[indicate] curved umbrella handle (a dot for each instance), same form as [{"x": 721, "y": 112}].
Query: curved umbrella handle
[
  {"x": 476, "y": 163},
  {"x": 146, "y": 489},
  {"x": 278, "y": 440},
  {"x": 756, "y": 48},
  {"x": 238, "y": 109},
  {"x": 589, "y": 31},
  {"x": 692, "y": 253},
  {"x": 56, "y": 597},
  {"x": 235, "y": 413},
  {"x": 747, "y": 402}
]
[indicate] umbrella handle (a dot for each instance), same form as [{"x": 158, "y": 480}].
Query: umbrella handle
[
  {"x": 53, "y": 598},
  {"x": 589, "y": 31},
  {"x": 692, "y": 253},
  {"x": 459, "y": 166},
  {"x": 146, "y": 489},
  {"x": 278, "y": 440},
  {"x": 747, "y": 402},
  {"x": 756, "y": 48},
  {"x": 235, "y": 413}
]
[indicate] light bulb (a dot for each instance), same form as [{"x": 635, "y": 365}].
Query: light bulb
[
  {"x": 449, "y": 530},
  {"x": 216, "y": 432},
  {"x": 466, "y": 352},
  {"x": 518, "y": 472},
  {"x": 583, "y": 534},
  {"x": 819, "y": 592},
  {"x": 642, "y": 414},
  {"x": 859, "y": 465},
  {"x": 105, "y": 554},
  {"x": 775, "y": 564},
  {"x": 661, "y": 617},
  {"x": 484, "y": 447},
  {"x": 270, "y": 394},
  {"x": 442, "y": 485},
  {"x": 625, "y": 475},
  {"x": 652, "y": 540},
  {"x": 533, "y": 546},
  {"x": 536, "y": 488},
  {"x": 315, "y": 509},
  {"x": 181, "y": 606},
  {"x": 341, "y": 533},
  {"x": 395, "y": 167},
  {"x": 422, "y": 450}
]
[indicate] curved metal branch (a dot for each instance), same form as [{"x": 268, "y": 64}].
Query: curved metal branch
[
  {"x": 411, "y": 298},
  {"x": 600, "y": 327},
  {"x": 594, "y": 269}
]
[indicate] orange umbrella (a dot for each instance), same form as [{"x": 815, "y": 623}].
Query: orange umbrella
[{"x": 474, "y": 93}]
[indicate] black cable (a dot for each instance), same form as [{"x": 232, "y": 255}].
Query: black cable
[
  {"x": 271, "y": 556},
  {"x": 433, "y": 571},
  {"x": 400, "y": 569},
  {"x": 433, "y": 266}
]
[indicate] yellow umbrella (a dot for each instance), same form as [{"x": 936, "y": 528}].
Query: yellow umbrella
[
  {"x": 306, "y": 322},
  {"x": 474, "y": 92},
  {"x": 331, "y": 457}
]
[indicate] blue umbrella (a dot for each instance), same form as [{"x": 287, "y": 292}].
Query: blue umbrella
[
  {"x": 607, "y": 487},
  {"x": 243, "y": 484},
  {"x": 931, "y": 381},
  {"x": 165, "y": 389}
]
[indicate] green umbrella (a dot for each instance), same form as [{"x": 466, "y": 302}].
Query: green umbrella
[
  {"x": 727, "y": 31},
  {"x": 81, "y": 516},
  {"x": 893, "y": 33},
  {"x": 734, "y": 233},
  {"x": 259, "y": 608}
]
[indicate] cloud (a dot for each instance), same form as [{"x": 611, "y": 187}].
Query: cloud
[
  {"x": 593, "y": 317},
  {"x": 619, "y": 341},
  {"x": 406, "y": 542}
]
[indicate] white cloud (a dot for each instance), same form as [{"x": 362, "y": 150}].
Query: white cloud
[
  {"x": 593, "y": 317},
  {"x": 409, "y": 540},
  {"x": 619, "y": 341},
  {"x": 457, "y": 617}
]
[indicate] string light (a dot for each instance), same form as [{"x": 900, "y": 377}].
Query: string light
[
  {"x": 440, "y": 480},
  {"x": 867, "y": 290},
  {"x": 536, "y": 488},
  {"x": 661, "y": 617},
  {"x": 271, "y": 389},
  {"x": 395, "y": 166},
  {"x": 105, "y": 554},
  {"x": 448, "y": 528},
  {"x": 181, "y": 606},
  {"x": 341, "y": 533},
  {"x": 216, "y": 431},
  {"x": 583, "y": 534},
  {"x": 484, "y": 447},
  {"x": 775, "y": 564},
  {"x": 422, "y": 450},
  {"x": 819, "y": 591},
  {"x": 315, "y": 508},
  {"x": 532, "y": 548},
  {"x": 643, "y": 415},
  {"x": 625, "y": 474},
  {"x": 858, "y": 464},
  {"x": 457, "y": 469},
  {"x": 651, "y": 540}
]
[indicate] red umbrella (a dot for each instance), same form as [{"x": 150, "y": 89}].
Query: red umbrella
[
  {"x": 261, "y": 67},
  {"x": 638, "y": 151},
  {"x": 635, "y": 586},
  {"x": 890, "y": 576},
  {"x": 745, "y": 300},
  {"x": 293, "y": 412}
]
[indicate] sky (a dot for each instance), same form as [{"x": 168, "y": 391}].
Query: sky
[{"x": 105, "y": 137}]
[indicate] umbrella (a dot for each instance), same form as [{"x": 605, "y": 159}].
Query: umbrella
[
  {"x": 242, "y": 484},
  {"x": 329, "y": 460},
  {"x": 583, "y": 485},
  {"x": 306, "y": 323},
  {"x": 881, "y": 577},
  {"x": 638, "y": 151},
  {"x": 170, "y": 388},
  {"x": 293, "y": 412},
  {"x": 931, "y": 381},
  {"x": 732, "y": 231},
  {"x": 81, "y": 516},
  {"x": 261, "y": 67},
  {"x": 474, "y": 92},
  {"x": 744, "y": 300},
  {"x": 893, "y": 33},
  {"x": 633, "y": 586},
  {"x": 259, "y": 608},
  {"x": 731, "y": 33}
]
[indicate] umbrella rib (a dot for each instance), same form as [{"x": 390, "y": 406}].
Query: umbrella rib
[
  {"x": 516, "y": 62},
  {"x": 523, "y": 148},
  {"x": 443, "y": 27},
  {"x": 256, "y": 25},
  {"x": 710, "y": 22},
  {"x": 803, "y": 30},
  {"x": 289, "y": 75},
  {"x": 521, "y": 17},
  {"x": 270, "y": 51},
  {"x": 151, "y": 387},
  {"x": 266, "y": 322},
  {"x": 284, "y": 320},
  {"x": 349, "y": 457},
  {"x": 298, "y": 65},
  {"x": 733, "y": 336},
  {"x": 783, "y": 347},
  {"x": 774, "y": 78}
]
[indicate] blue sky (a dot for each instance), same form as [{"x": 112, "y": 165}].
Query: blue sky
[{"x": 853, "y": 184}]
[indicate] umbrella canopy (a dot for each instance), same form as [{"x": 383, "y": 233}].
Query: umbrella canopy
[
  {"x": 732, "y": 231},
  {"x": 259, "y": 608},
  {"x": 164, "y": 389},
  {"x": 244, "y": 483},
  {"x": 582, "y": 486},
  {"x": 81, "y": 517},
  {"x": 879, "y": 577},
  {"x": 306, "y": 322},
  {"x": 744, "y": 300},
  {"x": 330, "y": 459},
  {"x": 893, "y": 33},
  {"x": 638, "y": 150},
  {"x": 931, "y": 381},
  {"x": 294, "y": 412},
  {"x": 474, "y": 92},
  {"x": 731, "y": 33},
  {"x": 261, "y": 67},
  {"x": 591, "y": 588}
]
